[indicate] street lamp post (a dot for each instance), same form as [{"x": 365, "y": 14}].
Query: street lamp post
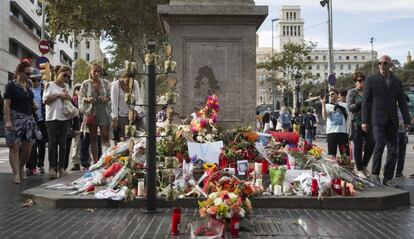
[
  {"x": 273, "y": 75},
  {"x": 298, "y": 81},
  {"x": 328, "y": 4},
  {"x": 372, "y": 54}
]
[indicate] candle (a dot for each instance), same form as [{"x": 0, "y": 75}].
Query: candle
[
  {"x": 258, "y": 168},
  {"x": 259, "y": 182},
  {"x": 286, "y": 187},
  {"x": 141, "y": 188},
  {"x": 277, "y": 190}
]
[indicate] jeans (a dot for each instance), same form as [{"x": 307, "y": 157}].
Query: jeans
[
  {"x": 385, "y": 135},
  {"x": 363, "y": 144},
  {"x": 336, "y": 140},
  {"x": 57, "y": 132},
  {"x": 84, "y": 150},
  {"x": 37, "y": 156},
  {"x": 401, "y": 147},
  {"x": 308, "y": 136}
]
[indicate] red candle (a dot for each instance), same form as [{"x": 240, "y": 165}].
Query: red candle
[
  {"x": 235, "y": 226},
  {"x": 176, "y": 219},
  {"x": 265, "y": 167}
]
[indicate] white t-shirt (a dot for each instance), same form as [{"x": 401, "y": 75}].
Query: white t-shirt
[
  {"x": 335, "y": 122},
  {"x": 54, "y": 110}
]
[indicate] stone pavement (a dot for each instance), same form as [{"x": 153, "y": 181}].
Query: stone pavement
[{"x": 40, "y": 222}]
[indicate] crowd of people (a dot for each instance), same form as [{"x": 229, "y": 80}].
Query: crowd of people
[
  {"x": 360, "y": 121},
  {"x": 35, "y": 115}
]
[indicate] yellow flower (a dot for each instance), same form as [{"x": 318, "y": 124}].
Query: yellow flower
[{"x": 207, "y": 166}]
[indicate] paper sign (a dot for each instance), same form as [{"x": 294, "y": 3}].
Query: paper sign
[
  {"x": 208, "y": 152},
  {"x": 292, "y": 174},
  {"x": 242, "y": 167}
]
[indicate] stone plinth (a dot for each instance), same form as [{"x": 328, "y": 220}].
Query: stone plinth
[{"x": 214, "y": 45}]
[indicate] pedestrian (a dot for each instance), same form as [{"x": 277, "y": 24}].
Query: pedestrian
[
  {"x": 402, "y": 141},
  {"x": 95, "y": 103},
  {"x": 57, "y": 124},
  {"x": 273, "y": 120},
  {"x": 379, "y": 111},
  {"x": 266, "y": 120},
  {"x": 120, "y": 108},
  {"x": 362, "y": 142},
  {"x": 161, "y": 115},
  {"x": 302, "y": 124},
  {"x": 335, "y": 114},
  {"x": 315, "y": 127},
  {"x": 296, "y": 122},
  {"x": 342, "y": 96},
  {"x": 310, "y": 121},
  {"x": 37, "y": 156},
  {"x": 284, "y": 119},
  {"x": 20, "y": 126},
  {"x": 74, "y": 134}
]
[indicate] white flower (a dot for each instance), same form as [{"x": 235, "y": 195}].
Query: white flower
[
  {"x": 200, "y": 138},
  {"x": 163, "y": 134},
  {"x": 212, "y": 196},
  {"x": 228, "y": 215},
  {"x": 218, "y": 201},
  {"x": 232, "y": 196},
  {"x": 208, "y": 137},
  {"x": 242, "y": 212}
]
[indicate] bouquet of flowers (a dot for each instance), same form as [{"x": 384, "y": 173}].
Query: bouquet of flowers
[
  {"x": 203, "y": 124},
  {"x": 222, "y": 205}
]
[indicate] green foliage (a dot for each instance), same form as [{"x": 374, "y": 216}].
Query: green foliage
[
  {"x": 80, "y": 71},
  {"x": 406, "y": 75}
]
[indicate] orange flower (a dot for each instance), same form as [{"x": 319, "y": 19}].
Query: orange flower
[
  {"x": 251, "y": 136},
  {"x": 212, "y": 210},
  {"x": 202, "y": 212}
]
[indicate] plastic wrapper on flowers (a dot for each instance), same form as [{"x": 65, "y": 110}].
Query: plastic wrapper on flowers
[{"x": 107, "y": 158}]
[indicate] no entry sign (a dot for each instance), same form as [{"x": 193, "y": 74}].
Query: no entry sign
[{"x": 44, "y": 46}]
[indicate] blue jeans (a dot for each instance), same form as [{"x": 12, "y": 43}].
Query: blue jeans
[{"x": 308, "y": 136}]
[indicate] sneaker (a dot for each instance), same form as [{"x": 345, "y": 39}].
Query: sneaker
[
  {"x": 366, "y": 172},
  {"x": 42, "y": 170},
  {"x": 76, "y": 167},
  {"x": 399, "y": 175},
  {"x": 376, "y": 179},
  {"x": 390, "y": 183},
  {"x": 62, "y": 172},
  {"x": 52, "y": 173},
  {"x": 361, "y": 174}
]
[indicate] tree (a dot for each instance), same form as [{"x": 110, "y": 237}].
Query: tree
[
  {"x": 80, "y": 71},
  {"x": 127, "y": 23}
]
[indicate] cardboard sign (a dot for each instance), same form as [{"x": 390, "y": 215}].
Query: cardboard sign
[{"x": 208, "y": 152}]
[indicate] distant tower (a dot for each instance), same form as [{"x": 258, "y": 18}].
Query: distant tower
[
  {"x": 289, "y": 27},
  {"x": 409, "y": 60}
]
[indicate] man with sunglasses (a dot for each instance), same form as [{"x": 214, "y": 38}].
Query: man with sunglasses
[{"x": 382, "y": 92}]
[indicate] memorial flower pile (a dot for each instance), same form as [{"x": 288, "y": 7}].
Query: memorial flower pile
[{"x": 203, "y": 123}]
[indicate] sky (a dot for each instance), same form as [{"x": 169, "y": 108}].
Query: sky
[{"x": 390, "y": 22}]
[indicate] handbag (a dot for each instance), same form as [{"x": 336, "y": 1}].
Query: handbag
[
  {"x": 69, "y": 110},
  {"x": 90, "y": 118}
]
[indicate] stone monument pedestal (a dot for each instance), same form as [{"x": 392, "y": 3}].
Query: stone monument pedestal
[{"x": 214, "y": 45}]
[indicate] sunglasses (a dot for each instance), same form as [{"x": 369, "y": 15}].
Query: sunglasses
[
  {"x": 35, "y": 80},
  {"x": 66, "y": 76},
  {"x": 360, "y": 80},
  {"x": 382, "y": 63}
]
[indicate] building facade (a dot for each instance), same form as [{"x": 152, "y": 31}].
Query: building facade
[
  {"x": 89, "y": 50},
  {"x": 20, "y": 31},
  {"x": 290, "y": 28}
]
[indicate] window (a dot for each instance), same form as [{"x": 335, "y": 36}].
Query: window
[
  {"x": 308, "y": 57},
  {"x": 287, "y": 15},
  {"x": 13, "y": 48},
  {"x": 75, "y": 55},
  {"x": 76, "y": 43},
  {"x": 287, "y": 31},
  {"x": 294, "y": 15},
  {"x": 349, "y": 67},
  {"x": 342, "y": 74},
  {"x": 294, "y": 30},
  {"x": 298, "y": 30},
  {"x": 291, "y": 30},
  {"x": 87, "y": 44},
  {"x": 38, "y": 32},
  {"x": 339, "y": 57},
  {"x": 363, "y": 57},
  {"x": 318, "y": 67},
  {"x": 355, "y": 57},
  {"x": 284, "y": 31},
  {"x": 316, "y": 57},
  {"x": 347, "y": 57},
  {"x": 324, "y": 57},
  {"x": 310, "y": 67},
  {"x": 326, "y": 74},
  {"x": 28, "y": 23},
  {"x": 70, "y": 43},
  {"x": 87, "y": 57},
  {"x": 357, "y": 66},
  {"x": 325, "y": 67},
  {"x": 318, "y": 75},
  {"x": 14, "y": 11},
  {"x": 341, "y": 67}
]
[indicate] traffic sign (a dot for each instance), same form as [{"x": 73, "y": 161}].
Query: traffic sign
[
  {"x": 41, "y": 60},
  {"x": 44, "y": 46},
  {"x": 332, "y": 79}
]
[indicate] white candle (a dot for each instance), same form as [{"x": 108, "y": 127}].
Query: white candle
[
  {"x": 258, "y": 182},
  {"x": 141, "y": 188},
  {"x": 286, "y": 187},
  {"x": 277, "y": 190},
  {"x": 258, "y": 168}
]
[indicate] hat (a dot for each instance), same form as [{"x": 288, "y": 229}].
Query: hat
[{"x": 35, "y": 73}]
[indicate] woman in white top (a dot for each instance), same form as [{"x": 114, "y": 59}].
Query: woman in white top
[
  {"x": 120, "y": 109},
  {"x": 57, "y": 124}
]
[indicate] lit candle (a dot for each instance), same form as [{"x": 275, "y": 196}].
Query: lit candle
[
  {"x": 277, "y": 190},
  {"x": 141, "y": 188},
  {"x": 258, "y": 168}
]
